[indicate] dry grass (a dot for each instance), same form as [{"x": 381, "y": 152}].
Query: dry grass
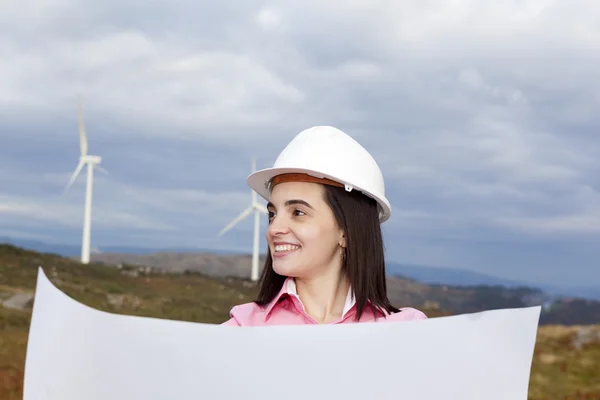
[{"x": 560, "y": 369}]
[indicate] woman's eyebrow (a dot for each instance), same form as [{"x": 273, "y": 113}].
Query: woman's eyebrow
[{"x": 291, "y": 203}]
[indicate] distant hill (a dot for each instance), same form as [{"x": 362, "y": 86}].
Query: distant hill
[
  {"x": 438, "y": 298},
  {"x": 448, "y": 276},
  {"x": 421, "y": 273},
  {"x": 462, "y": 277},
  {"x": 67, "y": 250}
]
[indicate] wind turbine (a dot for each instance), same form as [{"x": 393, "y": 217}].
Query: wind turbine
[
  {"x": 91, "y": 162},
  {"x": 256, "y": 208}
]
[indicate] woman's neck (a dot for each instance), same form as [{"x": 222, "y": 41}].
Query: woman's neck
[{"x": 323, "y": 297}]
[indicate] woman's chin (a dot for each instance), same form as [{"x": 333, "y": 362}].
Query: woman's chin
[{"x": 284, "y": 268}]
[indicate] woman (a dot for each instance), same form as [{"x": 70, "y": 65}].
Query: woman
[{"x": 325, "y": 264}]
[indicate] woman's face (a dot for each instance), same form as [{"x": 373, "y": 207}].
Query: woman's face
[{"x": 303, "y": 237}]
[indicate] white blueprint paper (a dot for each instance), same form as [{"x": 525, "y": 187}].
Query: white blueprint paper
[{"x": 79, "y": 353}]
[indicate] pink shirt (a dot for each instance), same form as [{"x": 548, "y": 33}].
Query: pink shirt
[{"x": 287, "y": 309}]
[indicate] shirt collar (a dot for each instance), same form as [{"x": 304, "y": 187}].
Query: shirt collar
[{"x": 289, "y": 288}]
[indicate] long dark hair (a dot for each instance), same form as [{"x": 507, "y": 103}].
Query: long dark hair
[{"x": 363, "y": 260}]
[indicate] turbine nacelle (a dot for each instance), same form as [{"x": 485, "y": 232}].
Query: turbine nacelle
[
  {"x": 90, "y": 159},
  {"x": 92, "y": 162}
]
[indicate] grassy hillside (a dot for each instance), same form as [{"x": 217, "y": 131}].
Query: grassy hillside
[{"x": 566, "y": 362}]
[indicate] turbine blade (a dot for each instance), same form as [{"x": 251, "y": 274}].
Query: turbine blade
[
  {"x": 74, "y": 176},
  {"x": 99, "y": 168},
  {"x": 83, "y": 144},
  {"x": 237, "y": 219},
  {"x": 261, "y": 208}
]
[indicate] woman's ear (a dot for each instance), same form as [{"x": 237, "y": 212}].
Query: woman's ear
[{"x": 342, "y": 241}]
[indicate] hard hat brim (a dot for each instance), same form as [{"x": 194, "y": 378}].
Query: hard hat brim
[{"x": 259, "y": 180}]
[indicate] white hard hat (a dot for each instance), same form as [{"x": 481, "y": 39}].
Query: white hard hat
[{"x": 325, "y": 152}]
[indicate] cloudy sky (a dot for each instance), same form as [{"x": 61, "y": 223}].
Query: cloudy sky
[{"x": 483, "y": 116}]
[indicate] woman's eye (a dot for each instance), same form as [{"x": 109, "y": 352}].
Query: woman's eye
[{"x": 299, "y": 212}]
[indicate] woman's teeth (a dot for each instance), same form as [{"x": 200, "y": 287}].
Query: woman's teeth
[{"x": 286, "y": 247}]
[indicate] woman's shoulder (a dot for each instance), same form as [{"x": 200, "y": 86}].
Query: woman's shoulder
[
  {"x": 406, "y": 314},
  {"x": 241, "y": 314}
]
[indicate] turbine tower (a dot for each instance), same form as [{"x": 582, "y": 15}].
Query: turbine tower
[
  {"x": 256, "y": 208},
  {"x": 91, "y": 162}
]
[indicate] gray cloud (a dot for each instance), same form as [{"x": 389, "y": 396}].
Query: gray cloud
[{"x": 483, "y": 117}]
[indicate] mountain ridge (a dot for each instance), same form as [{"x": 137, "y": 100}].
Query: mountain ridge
[{"x": 432, "y": 275}]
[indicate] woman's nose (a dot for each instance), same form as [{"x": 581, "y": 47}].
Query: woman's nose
[{"x": 278, "y": 226}]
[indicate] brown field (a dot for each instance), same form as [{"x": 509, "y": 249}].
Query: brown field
[{"x": 566, "y": 362}]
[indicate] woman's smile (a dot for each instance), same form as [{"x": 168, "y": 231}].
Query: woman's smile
[{"x": 283, "y": 249}]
